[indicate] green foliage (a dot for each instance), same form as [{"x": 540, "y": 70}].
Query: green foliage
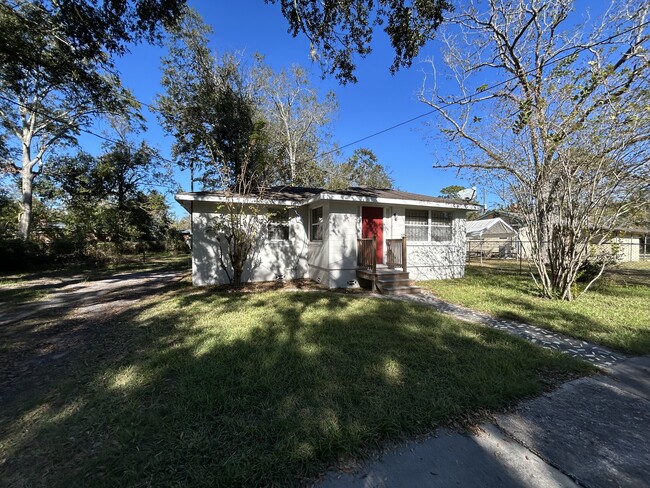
[
  {"x": 340, "y": 31},
  {"x": 70, "y": 42},
  {"x": 209, "y": 107},
  {"x": 361, "y": 169},
  {"x": 451, "y": 191}
]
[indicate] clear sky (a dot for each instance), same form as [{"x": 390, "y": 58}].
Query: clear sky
[{"x": 379, "y": 100}]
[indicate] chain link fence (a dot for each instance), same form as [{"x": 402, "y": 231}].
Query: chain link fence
[{"x": 513, "y": 250}]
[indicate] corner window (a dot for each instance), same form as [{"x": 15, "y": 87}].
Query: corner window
[
  {"x": 441, "y": 226},
  {"x": 317, "y": 224},
  {"x": 278, "y": 226},
  {"x": 428, "y": 226}
]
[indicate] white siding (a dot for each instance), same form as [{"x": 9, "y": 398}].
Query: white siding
[
  {"x": 344, "y": 227},
  {"x": 270, "y": 260},
  {"x": 333, "y": 260}
]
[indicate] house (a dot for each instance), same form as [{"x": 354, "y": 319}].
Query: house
[
  {"x": 629, "y": 244},
  {"x": 339, "y": 238}
]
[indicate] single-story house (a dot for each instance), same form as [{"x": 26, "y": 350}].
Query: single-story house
[
  {"x": 337, "y": 238},
  {"x": 491, "y": 238}
]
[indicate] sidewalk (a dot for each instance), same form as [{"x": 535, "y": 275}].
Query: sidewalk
[{"x": 592, "y": 432}]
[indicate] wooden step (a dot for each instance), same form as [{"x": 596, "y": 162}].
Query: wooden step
[{"x": 400, "y": 290}]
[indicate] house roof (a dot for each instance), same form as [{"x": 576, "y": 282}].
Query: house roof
[
  {"x": 489, "y": 228},
  {"x": 297, "y": 196}
]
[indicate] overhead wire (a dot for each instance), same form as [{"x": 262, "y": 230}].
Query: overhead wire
[{"x": 319, "y": 156}]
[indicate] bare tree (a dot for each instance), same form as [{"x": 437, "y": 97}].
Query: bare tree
[
  {"x": 297, "y": 117},
  {"x": 563, "y": 131}
]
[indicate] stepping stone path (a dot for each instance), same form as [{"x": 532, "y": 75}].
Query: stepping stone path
[{"x": 598, "y": 355}]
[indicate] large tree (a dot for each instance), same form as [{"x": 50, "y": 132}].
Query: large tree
[
  {"x": 340, "y": 31},
  {"x": 361, "y": 169},
  {"x": 297, "y": 119},
  {"x": 564, "y": 131},
  {"x": 57, "y": 74},
  {"x": 211, "y": 108}
]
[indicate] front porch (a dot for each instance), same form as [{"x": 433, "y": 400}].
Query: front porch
[{"x": 389, "y": 278}]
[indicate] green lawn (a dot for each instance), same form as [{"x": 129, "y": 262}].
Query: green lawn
[
  {"x": 615, "y": 312},
  {"x": 201, "y": 388}
]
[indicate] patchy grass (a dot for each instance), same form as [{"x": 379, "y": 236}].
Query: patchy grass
[
  {"x": 212, "y": 389},
  {"x": 615, "y": 312}
]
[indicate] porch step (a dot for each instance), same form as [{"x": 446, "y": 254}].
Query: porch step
[
  {"x": 388, "y": 281},
  {"x": 399, "y": 290}
]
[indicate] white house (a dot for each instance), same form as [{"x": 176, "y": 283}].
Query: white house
[{"x": 328, "y": 236}]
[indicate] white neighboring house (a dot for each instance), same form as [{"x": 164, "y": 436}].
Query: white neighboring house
[{"x": 321, "y": 235}]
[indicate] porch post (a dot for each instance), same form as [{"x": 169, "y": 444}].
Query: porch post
[
  {"x": 374, "y": 254},
  {"x": 404, "y": 253}
]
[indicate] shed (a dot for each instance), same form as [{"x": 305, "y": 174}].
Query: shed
[{"x": 491, "y": 238}]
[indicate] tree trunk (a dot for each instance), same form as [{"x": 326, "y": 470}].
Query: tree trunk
[{"x": 25, "y": 218}]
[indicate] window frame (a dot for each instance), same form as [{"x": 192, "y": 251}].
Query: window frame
[
  {"x": 436, "y": 219},
  {"x": 314, "y": 226},
  {"x": 278, "y": 219}
]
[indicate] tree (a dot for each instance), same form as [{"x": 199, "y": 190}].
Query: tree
[
  {"x": 211, "y": 110},
  {"x": 451, "y": 191},
  {"x": 565, "y": 131},
  {"x": 81, "y": 34},
  {"x": 361, "y": 169},
  {"x": 339, "y": 31},
  {"x": 57, "y": 73},
  {"x": 297, "y": 119}
]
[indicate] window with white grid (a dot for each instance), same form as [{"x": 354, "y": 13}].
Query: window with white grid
[{"x": 428, "y": 226}]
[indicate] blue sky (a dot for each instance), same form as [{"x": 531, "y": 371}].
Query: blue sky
[{"x": 379, "y": 99}]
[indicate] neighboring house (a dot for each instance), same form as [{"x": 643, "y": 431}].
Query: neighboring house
[
  {"x": 492, "y": 238},
  {"x": 630, "y": 244},
  {"x": 328, "y": 236}
]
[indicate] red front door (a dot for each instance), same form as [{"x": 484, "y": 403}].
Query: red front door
[{"x": 372, "y": 225}]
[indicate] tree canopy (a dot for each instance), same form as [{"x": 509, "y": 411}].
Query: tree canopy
[
  {"x": 340, "y": 31},
  {"x": 57, "y": 74}
]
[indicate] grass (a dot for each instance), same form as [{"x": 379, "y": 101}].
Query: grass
[
  {"x": 212, "y": 389},
  {"x": 20, "y": 288},
  {"x": 615, "y": 312}
]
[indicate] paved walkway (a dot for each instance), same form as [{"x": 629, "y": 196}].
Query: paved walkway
[
  {"x": 598, "y": 355},
  {"x": 591, "y": 432}
]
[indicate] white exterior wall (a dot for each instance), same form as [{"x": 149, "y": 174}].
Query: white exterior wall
[
  {"x": 332, "y": 261},
  {"x": 270, "y": 260},
  {"x": 431, "y": 260},
  {"x": 344, "y": 228},
  {"x": 318, "y": 253}
]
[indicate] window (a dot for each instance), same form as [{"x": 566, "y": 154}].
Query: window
[
  {"x": 441, "y": 226},
  {"x": 425, "y": 226},
  {"x": 279, "y": 225},
  {"x": 317, "y": 224},
  {"x": 417, "y": 225}
]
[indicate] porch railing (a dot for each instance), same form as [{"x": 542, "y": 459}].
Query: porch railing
[
  {"x": 396, "y": 253},
  {"x": 367, "y": 253}
]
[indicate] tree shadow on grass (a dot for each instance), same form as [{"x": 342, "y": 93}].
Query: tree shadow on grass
[{"x": 255, "y": 389}]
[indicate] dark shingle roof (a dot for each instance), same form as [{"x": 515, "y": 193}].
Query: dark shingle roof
[{"x": 300, "y": 194}]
